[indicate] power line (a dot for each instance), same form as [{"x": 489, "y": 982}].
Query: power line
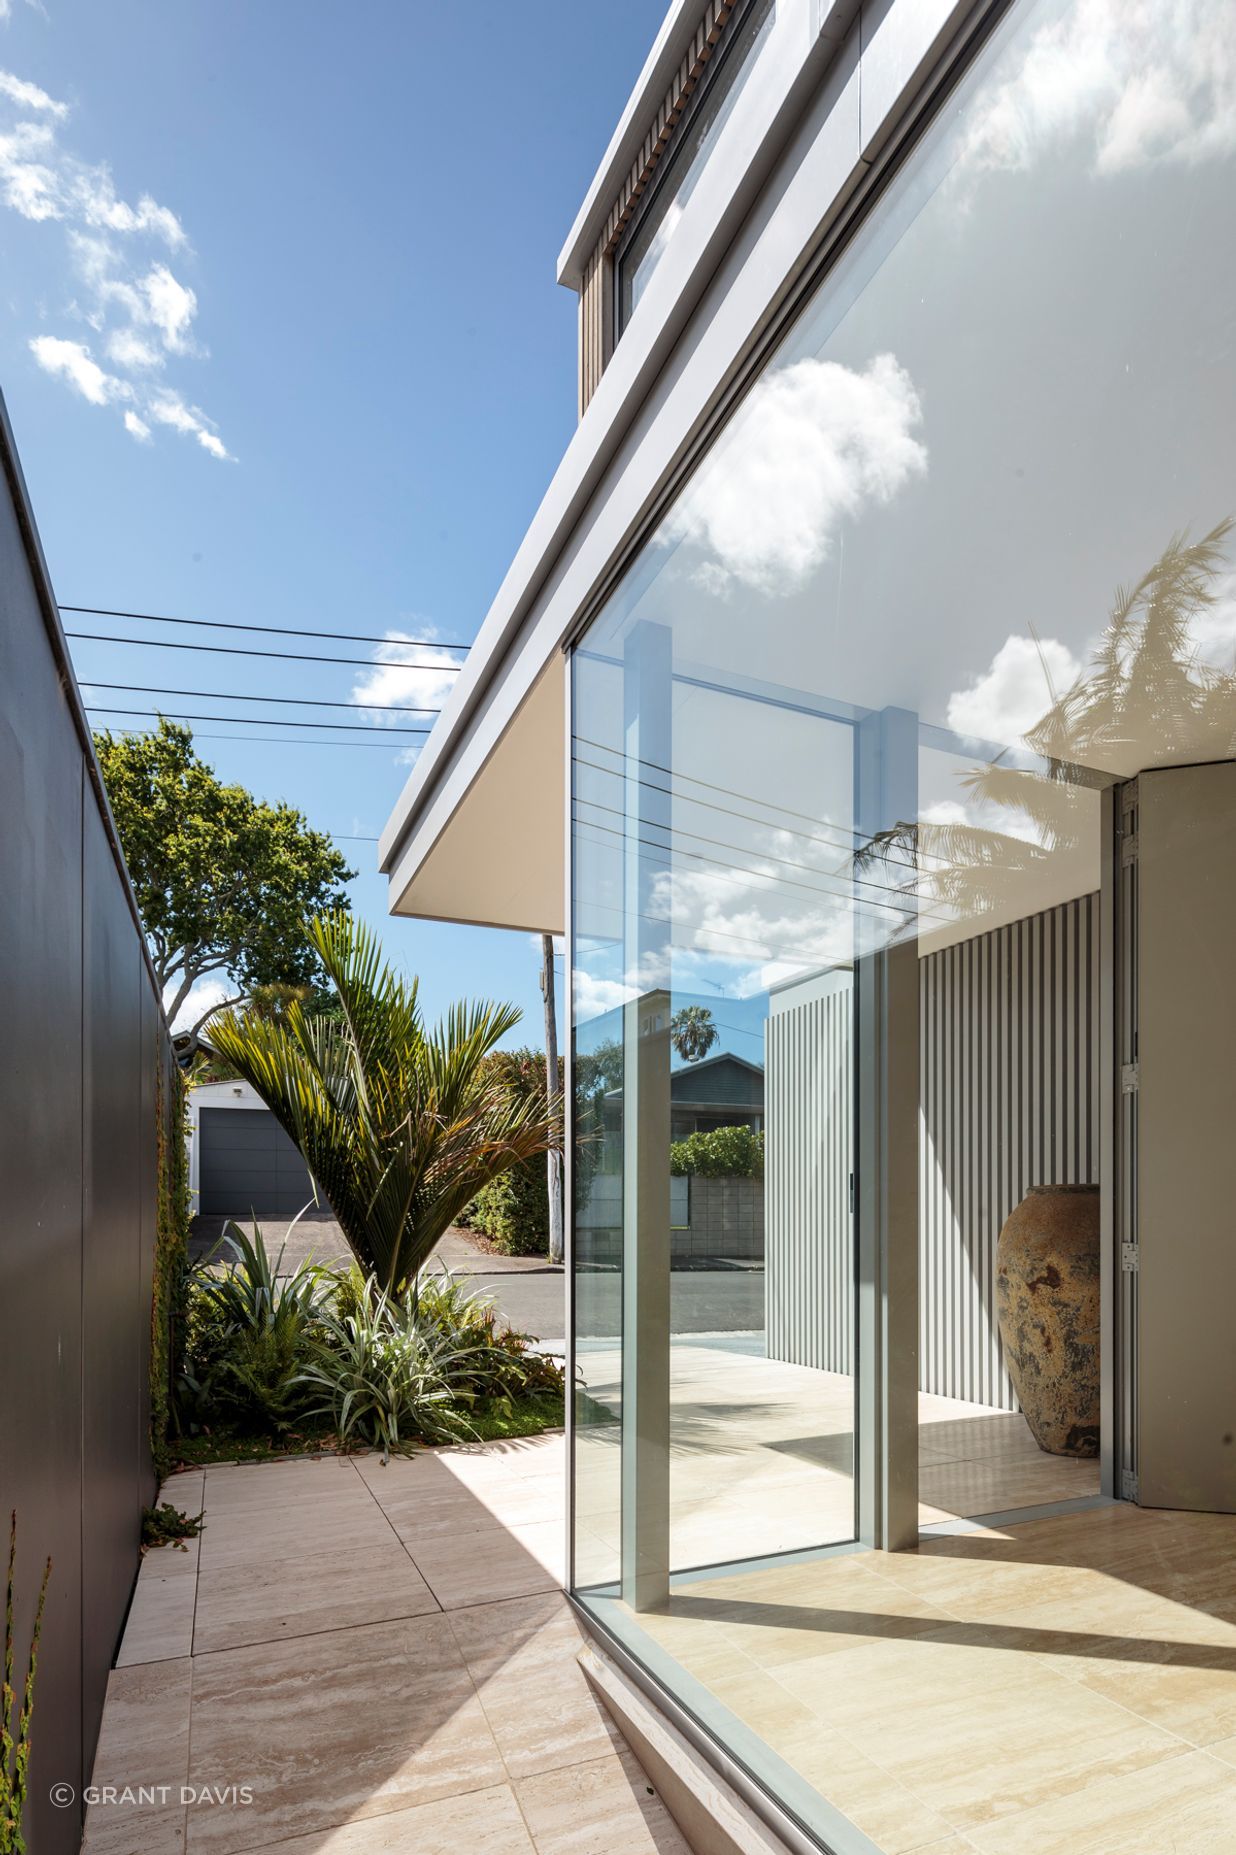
[
  {"x": 271, "y": 740},
  {"x": 237, "y": 650},
  {"x": 249, "y": 721},
  {"x": 287, "y": 631},
  {"x": 229, "y": 695}
]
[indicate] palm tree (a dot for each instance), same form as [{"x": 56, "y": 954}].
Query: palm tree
[
  {"x": 1147, "y": 699},
  {"x": 400, "y": 1125},
  {"x": 692, "y": 1032}
]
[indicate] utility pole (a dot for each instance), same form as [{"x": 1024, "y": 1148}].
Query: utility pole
[{"x": 554, "y": 1159}]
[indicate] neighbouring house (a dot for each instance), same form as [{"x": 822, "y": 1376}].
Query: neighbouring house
[
  {"x": 867, "y": 670},
  {"x": 88, "y": 1073},
  {"x": 241, "y": 1163}
]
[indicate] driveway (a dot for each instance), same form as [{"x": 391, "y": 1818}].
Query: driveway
[{"x": 529, "y": 1293}]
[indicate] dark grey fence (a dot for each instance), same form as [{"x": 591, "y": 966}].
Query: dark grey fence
[{"x": 83, "y": 1036}]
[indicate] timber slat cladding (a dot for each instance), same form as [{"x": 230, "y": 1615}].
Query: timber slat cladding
[{"x": 596, "y": 335}]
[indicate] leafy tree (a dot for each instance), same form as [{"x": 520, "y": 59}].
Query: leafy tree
[
  {"x": 401, "y": 1125},
  {"x": 692, "y": 1032},
  {"x": 225, "y": 882}
]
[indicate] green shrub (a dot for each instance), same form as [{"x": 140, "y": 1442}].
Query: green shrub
[
  {"x": 250, "y": 1336},
  {"x": 169, "y": 1289},
  {"x": 721, "y": 1153},
  {"x": 389, "y": 1373},
  {"x": 166, "y": 1525},
  {"x": 15, "y": 1719},
  {"x": 385, "y": 1377},
  {"x": 513, "y": 1211}
]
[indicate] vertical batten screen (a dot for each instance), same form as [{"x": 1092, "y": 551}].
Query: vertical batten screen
[
  {"x": 1009, "y": 1099},
  {"x": 809, "y": 1262}
]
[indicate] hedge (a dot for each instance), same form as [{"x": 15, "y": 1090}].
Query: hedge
[{"x": 721, "y": 1153}]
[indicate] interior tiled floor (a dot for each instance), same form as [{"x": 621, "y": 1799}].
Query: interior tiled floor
[
  {"x": 762, "y": 1455},
  {"x": 354, "y": 1660},
  {"x": 1065, "y": 1686}
]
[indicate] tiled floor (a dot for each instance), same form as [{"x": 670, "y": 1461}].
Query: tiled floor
[
  {"x": 355, "y": 1660},
  {"x": 761, "y": 1459},
  {"x": 1062, "y": 1687}
]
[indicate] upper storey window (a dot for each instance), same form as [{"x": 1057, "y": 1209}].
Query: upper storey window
[{"x": 649, "y": 234}]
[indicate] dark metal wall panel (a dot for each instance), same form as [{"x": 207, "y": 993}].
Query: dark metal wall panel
[
  {"x": 40, "y": 1167},
  {"x": 83, "y": 1030},
  {"x": 1009, "y": 1095}
]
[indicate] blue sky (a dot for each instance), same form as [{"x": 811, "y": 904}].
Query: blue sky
[{"x": 281, "y": 343}]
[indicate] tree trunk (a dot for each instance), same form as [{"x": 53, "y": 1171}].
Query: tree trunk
[{"x": 553, "y": 1159}]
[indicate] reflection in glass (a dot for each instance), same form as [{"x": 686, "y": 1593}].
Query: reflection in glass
[{"x": 891, "y": 681}]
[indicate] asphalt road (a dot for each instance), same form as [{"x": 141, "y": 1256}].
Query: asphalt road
[{"x": 531, "y": 1295}]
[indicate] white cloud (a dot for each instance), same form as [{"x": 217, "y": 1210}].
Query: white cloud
[
  {"x": 407, "y": 675},
  {"x": 140, "y": 310},
  {"x": 170, "y": 307},
  {"x": 168, "y": 408},
  {"x": 207, "y": 992},
  {"x": 27, "y": 95},
  {"x": 72, "y": 361},
  {"x": 1010, "y": 697},
  {"x": 814, "y": 443},
  {"x": 1137, "y": 81},
  {"x": 595, "y": 996},
  {"x": 131, "y": 350}
]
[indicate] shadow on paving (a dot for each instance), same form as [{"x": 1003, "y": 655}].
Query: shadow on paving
[{"x": 362, "y": 1658}]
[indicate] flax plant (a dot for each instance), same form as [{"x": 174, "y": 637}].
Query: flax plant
[
  {"x": 15, "y": 1744},
  {"x": 401, "y": 1124}
]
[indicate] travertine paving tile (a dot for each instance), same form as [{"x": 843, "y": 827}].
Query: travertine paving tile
[
  {"x": 330, "y": 1728},
  {"x": 160, "y": 1621},
  {"x": 992, "y": 1753},
  {"x": 1184, "y": 1805},
  {"x": 893, "y": 1816},
  {"x": 352, "y": 1523},
  {"x": 540, "y": 1709},
  {"x": 604, "y": 1807},
  {"x": 485, "y": 1822},
  {"x": 278, "y": 1598},
  {"x": 488, "y": 1564},
  {"x": 234, "y": 1487},
  {"x": 143, "y": 1760}
]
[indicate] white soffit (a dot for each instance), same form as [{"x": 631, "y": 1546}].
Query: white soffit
[{"x": 499, "y": 861}]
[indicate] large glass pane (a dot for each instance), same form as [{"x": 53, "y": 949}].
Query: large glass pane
[
  {"x": 960, "y": 559},
  {"x": 714, "y": 993}
]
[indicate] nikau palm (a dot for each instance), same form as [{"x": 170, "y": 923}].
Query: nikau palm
[{"x": 400, "y": 1124}]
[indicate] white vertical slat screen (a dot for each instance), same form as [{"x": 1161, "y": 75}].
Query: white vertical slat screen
[{"x": 1008, "y": 1099}]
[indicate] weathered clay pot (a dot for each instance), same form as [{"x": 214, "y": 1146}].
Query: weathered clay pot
[{"x": 1047, "y": 1294}]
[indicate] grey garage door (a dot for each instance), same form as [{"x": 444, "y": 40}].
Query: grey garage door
[{"x": 248, "y": 1164}]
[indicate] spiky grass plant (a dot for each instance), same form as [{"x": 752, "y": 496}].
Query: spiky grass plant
[
  {"x": 401, "y": 1124},
  {"x": 14, "y": 1721}
]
